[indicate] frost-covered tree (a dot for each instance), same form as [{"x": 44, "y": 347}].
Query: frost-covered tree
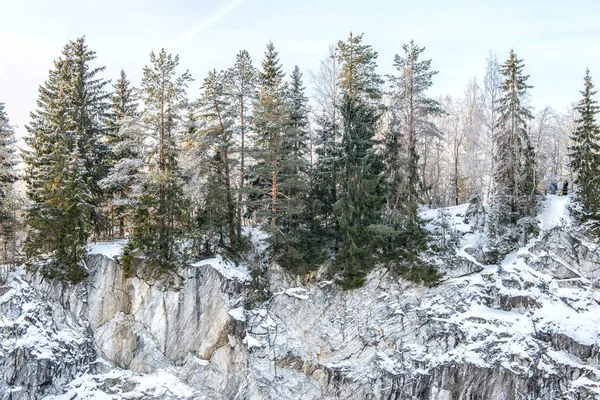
[
  {"x": 217, "y": 133},
  {"x": 125, "y": 157},
  {"x": 159, "y": 215},
  {"x": 410, "y": 122},
  {"x": 488, "y": 116},
  {"x": 585, "y": 157},
  {"x": 515, "y": 194},
  {"x": 325, "y": 170},
  {"x": 240, "y": 87},
  {"x": 9, "y": 201},
  {"x": 65, "y": 162}
]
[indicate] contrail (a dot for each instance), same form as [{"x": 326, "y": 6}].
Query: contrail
[
  {"x": 202, "y": 25},
  {"x": 206, "y": 23}
]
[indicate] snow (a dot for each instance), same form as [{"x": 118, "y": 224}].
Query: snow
[
  {"x": 297, "y": 292},
  {"x": 238, "y": 314},
  {"x": 107, "y": 249},
  {"x": 226, "y": 268},
  {"x": 159, "y": 384},
  {"x": 555, "y": 212},
  {"x": 252, "y": 342}
]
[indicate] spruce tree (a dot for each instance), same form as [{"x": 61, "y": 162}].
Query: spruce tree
[
  {"x": 88, "y": 109},
  {"x": 361, "y": 197},
  {"x": 585, "y": 157},
  {"x": 270, "y": 115},
  {"x": 124, "y": 157},
  {"x": 65, "y": 162},
  {"x": 159, "y": 215},
  {"x": 410, "y": 123},
  {"x": 240, "y": 87},
  {"x": 9, "y": 204},
  {"x": 292, "y": 241},
  {"x": 515, "y": 193}
]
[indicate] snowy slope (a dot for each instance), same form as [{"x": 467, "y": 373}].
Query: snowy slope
[{"x": 527, "y": 328}]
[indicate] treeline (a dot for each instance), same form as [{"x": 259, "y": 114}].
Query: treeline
[{"x": 339, "y": 184}]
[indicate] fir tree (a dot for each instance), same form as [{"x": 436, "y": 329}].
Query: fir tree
[
  {"x": 292, "y": 241},
  {"x": 159, "y": 214},
  {"x": 88, "y": 109},
  {"x": 410, "y": 122},
  {"x": 361, "y": 197},
  {"x": 585, "y": 157},
  {"x": 240, "y": 87},
  {"x": 515, "y": 196},
  {"x": 61, "y": 133},
  {"x": 125, "y": 158},
  {"x": 9, "y": 203},
  {"x": 269, "y": 118}
]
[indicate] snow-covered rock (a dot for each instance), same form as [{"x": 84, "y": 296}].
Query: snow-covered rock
[{"x": 528, "y": 328}]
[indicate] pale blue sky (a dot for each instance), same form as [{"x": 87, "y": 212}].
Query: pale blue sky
[{"x": 557, "y": 39}]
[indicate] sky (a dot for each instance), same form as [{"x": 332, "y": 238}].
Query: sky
[{"x": 557, "y": 39}]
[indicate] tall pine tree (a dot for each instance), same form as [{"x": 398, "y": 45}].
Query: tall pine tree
[
  {"x": 159, "y": 216},
  {"x": 217, "y": 134},
  {"x": 585, "y": 157},
  {"x": 515, "y": 196},
  {"x": 410, "y": 122},
  {"x": 240, "y": 87}
]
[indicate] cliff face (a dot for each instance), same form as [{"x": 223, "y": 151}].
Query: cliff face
[{"x": 526, "y": 329}]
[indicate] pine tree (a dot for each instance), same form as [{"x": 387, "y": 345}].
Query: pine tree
[
  {"x": 410, "y": 122},
  {"x": 159, "y": 214},
  {"x": 240, "y": 87},
  {"x": 361, "y": 196},
  {"x": 269, "y": 118},
  {"x": 124, "y": 158},
  {"x": 585, "y": 157},
  {"x": 515, "y": 195},
  {"x": 9, "y": 202},
  {"x": 64, "y": 131},
  {"x": 218, "y": 136}
]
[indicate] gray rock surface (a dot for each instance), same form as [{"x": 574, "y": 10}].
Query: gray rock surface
[{"x": 526, "y": 329}]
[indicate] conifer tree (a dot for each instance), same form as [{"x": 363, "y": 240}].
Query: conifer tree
[
  {"x": 125, "y": 158},
  {"x": 89, "y": 108},
  {"x": 270, "y": 115},
  {"x": 159, "y": 214},
  {"x": 240, "y": 87},
  {"x": 515, "y": 196},
  {"x": 8, "y": 176},
  {"x": 361, "y": 197},
  {"x": 585, "y": 157},
  {"x": 292, "y": 241},
  {"x": 218, "y": 136},
  {"x": 410, "y": 122},
  {"x": 325, "y": 172},
  {"x": 65, "y": 162}
]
